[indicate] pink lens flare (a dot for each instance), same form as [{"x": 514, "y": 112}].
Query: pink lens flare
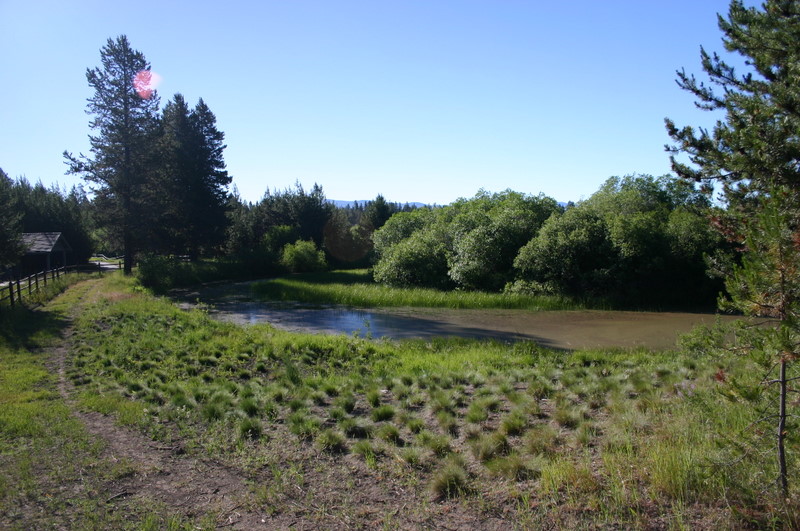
[{"x": 145, "y": 83}]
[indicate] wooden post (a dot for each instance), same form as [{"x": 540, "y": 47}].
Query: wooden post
[
  {"x": 30, "y": 289},
  {"x": 19, "y": 292},
  {"x": 36, "y": 279},
  {"x": 11, "y": 292}
]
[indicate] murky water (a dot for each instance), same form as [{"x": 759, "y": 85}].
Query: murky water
[{"x": 557, "y": 329}]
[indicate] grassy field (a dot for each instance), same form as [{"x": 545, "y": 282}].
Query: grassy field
[
  {"x": 356, "y": 288},
  {"x": 336, "y": 431}
]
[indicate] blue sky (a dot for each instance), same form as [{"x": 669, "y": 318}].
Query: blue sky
[{"x": 418, "y": 100}]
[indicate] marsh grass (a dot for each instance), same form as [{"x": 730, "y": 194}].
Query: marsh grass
[{"x": 356, "y": 288}]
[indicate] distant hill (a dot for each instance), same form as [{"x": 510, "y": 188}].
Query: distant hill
[{"x": 344, "y": 204}]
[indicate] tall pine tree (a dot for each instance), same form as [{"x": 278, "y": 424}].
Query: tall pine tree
[
  {"x": 193, "y": 178},
  {"x": 125, "y": 112}
]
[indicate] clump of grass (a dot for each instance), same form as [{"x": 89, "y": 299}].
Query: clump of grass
[
  {"x": 249, "y": 406},
  {"x": 477, "y": 412},
  {"x": 489, "y": 446},
  {"x": 451, "y": 480},
  {"x": 356, "y": 428},
  {"x": 514, "y": 467},
  {"x": 514, "y": 423},
  {"x": 438, "y": 444},
  {"x": 331, "y": 441},
  {"x": 250, "y": 428},
  {"x": 297, "y": 404},
  {"x": 381, "y": 413},
  {"x": 447, "y": 422},
  {"x": 337, "y": 413},
  {"x": 415, "y": 424},
  {"x": 373, "y": 397},
  {"x": 366, "y": 450},
  {"x": 411, "y": 456},
  {"x": 303, "y": 425},
  {"x": 212, "y": 411},
  {"x": 345, "y": 401},
  {"x": 319, "y": 398},
  {"x": 390, "y": 434},
  {"x": 541, "y": 439},
  {"x": 567, "y": 415}
]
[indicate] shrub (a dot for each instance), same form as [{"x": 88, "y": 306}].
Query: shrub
[{"x": 302, "y": 257}]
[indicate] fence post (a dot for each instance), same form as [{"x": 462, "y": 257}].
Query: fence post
[
  {"x": 30, "y": 291},
  {"x": 11, "y": 292},
  {"x": 19, "y": 292},
  {"x": 36, "y": 279}
]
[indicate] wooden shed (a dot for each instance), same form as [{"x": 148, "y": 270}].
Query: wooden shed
[{"x": 44, "y": 251}]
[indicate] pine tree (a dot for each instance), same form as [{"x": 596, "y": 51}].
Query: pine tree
[
  {"x": 125, "y": 111},
  {"x": 193, "y": 182},
  {"x": 10, "y": 233},
  {"x": 754, "y": 153}
]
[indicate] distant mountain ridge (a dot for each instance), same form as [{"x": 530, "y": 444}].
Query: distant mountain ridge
[{"x": 344, "y": 204}]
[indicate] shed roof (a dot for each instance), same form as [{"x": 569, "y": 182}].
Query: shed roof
[{"x": 44, "y": 242}]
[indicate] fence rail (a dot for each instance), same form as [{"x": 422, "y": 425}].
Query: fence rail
[{"x": 13, "y": 292}]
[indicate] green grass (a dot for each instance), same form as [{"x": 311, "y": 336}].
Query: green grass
[
  {"x": 355, "y": 288},
  {"x": 613, "y": 438},
  {"x": 47, "y": 458}
]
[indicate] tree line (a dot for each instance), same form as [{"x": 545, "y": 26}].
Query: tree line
[{"x": 638, "y": 240}]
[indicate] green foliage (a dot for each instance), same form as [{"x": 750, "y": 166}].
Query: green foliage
[
  {"x": 637, "y": 240},
  {"x": 190, "y": 195},
  {"x": 122, "y": 148},
  {"x": 10, "y": 243},
  {"x": 470, "y": 244},
  {"x": 753, "y": 154},
  {"x": 420, "y": 260},
  {"x": 302, "y": 257}
]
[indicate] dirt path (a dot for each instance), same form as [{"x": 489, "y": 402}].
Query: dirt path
[{"x": 184, "y": 484}]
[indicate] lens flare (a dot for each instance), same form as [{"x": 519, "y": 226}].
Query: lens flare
[{"x": 145, "y": 83}]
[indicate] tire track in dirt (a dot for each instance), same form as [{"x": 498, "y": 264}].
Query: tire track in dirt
[{"x": 185, "y": 484}]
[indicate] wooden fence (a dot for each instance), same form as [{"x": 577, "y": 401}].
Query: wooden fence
[{"x": 13, "y": 292}]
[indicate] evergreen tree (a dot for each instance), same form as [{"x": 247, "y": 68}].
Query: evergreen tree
[
  {"x": 10, "y": 240},
  {"x": 52, "y": 210},
  {"x": 753, "y": 153},
  {"x": 122, "y": 156}
]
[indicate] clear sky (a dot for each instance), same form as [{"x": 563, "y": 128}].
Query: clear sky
[{"x": 418, "y": 100}]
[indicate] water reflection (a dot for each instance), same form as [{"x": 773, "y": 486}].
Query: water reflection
[
  {"x": 558, "y": 329},
  {"x": 397, "y": 324}
]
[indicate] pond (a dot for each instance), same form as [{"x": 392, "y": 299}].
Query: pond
[{"x": 555, "y": 329}]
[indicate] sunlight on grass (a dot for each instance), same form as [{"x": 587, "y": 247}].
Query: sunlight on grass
[{"x": 356, "y": 289}]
